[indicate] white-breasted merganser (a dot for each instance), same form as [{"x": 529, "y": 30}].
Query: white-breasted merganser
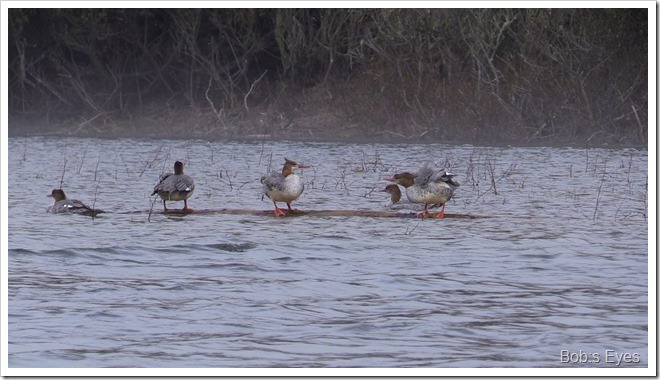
[
  {"x": 395, "y": 202},
  {"x": 63, "y": 204},
  {"x": 427, "y": 187},
  {"x": 175, "y": 187},
  {"x": 285, "y": 186}
]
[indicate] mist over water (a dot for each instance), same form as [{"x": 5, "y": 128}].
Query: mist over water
[{"x": 555, "y": 262}]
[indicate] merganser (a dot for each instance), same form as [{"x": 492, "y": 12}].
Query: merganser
[
  {"x": 427, "y": 187},
  {"x": 395, "y": 194},
  {"x": 395, "y": 202},
  {"x": 284, "y": 187},
  {"x": 175, "y": 187},
  {"x": 63, "y": 204}
]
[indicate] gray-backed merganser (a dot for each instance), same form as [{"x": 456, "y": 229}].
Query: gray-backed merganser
[
  {"x": 175, "y": 187},
  {"x": 285, "y": 186},
  {"x": 427, "y": 187},
  {"x": 395, "y": 202},
  {"x": 63, "y": 204}
]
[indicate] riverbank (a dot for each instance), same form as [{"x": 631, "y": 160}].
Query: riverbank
[{"x": 576, "y": 77}]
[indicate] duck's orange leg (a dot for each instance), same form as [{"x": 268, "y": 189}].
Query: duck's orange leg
[
  {"x": 185, "y": 206},
  {"x": 424, "y": 213},
  {"x": 279, "y": 211},
  {"x": 441, "y": 214}
]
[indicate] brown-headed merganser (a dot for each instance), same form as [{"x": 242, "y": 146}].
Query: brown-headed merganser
[
  {"x": 427, "y": 187},
  {"x": 175, "y": 187},
  {"x": 63, "y": 204},
  {"x": 285, "y": 186},
  {"x": 395, "y": 194},
  {"x": 395, "y": 202}
]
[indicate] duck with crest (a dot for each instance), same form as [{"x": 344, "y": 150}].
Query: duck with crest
[
  {"x": 397, "y": 202},
  {"x": 427, "y": 187},
  {"x": 285, "y": 186},
  {"x": 175, "y": 187}
]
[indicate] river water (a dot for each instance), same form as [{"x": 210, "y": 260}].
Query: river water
[{"x": 553, "y": 266}]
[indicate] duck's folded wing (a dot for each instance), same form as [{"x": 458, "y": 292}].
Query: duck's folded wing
[
  {"x": 273, "y": 181},
  {"x": 184, "y": 183},
  {"x": 162, "y": 182},
  {"x": 75, "y": 205},
  {"x": 438, "y": 176}
]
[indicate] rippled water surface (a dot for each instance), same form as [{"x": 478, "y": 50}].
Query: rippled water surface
[{"x": 556, "y": 260}]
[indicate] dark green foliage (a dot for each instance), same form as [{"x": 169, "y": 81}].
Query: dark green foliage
[{"x": 472, "y": 75}]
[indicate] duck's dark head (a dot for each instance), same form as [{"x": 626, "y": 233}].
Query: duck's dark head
[
  {"x": 178, "y": 167},
  {"x": 405, "y": 179},
  {"x": 289, "y": 165},
  {"x": 395, "y": 192},
  {"x": 57, "y": 194}
]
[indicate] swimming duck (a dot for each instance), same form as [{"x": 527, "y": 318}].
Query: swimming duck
[
  {"x": 285, "y": 186},
  {"x": 175, "y": 187},
  {"x": 63, "y": 204},
  {"x": 427, "y": 187}
]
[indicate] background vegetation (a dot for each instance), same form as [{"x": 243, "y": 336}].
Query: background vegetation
[{"x": 464, "y": 75}]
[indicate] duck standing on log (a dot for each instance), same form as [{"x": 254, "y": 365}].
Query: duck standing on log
[
  {"x": 396, "y": 202},
  {"x": 175, "y": 187},
  {"x": 427, "y": 187},
  {"x": 285, "y": 186}
]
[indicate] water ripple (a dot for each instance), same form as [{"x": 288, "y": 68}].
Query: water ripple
[{"x": 556, "y": 264}]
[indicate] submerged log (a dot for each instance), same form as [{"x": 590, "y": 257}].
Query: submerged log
[{"x": 317, "y": 213}]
